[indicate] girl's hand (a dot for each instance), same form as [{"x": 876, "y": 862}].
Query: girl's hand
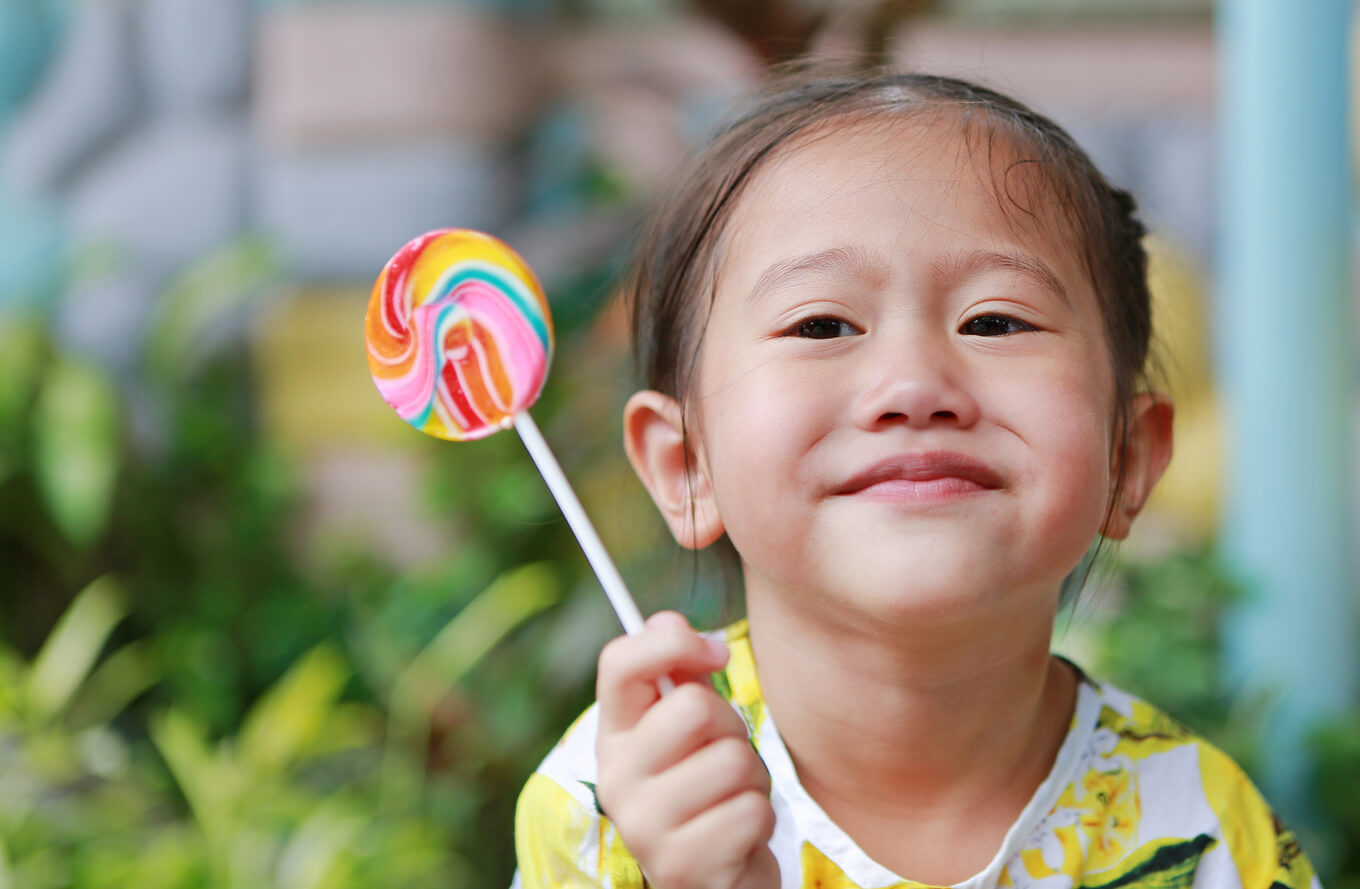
[{"x": 678, "y": 776}]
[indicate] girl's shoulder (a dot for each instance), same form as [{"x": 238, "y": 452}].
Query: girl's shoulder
[{"x": 1151, "y": 794}]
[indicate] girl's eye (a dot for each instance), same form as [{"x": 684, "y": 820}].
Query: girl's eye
[
  {"x": 994, "y": 325},
  {"x": 824, "y": 328}
]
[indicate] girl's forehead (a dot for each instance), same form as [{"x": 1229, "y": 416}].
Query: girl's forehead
[
  {"x": 900, "y": 179},
  {"x": 932, "y": 150}
]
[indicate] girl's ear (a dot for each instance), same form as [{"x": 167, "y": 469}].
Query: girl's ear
[
  {"x": 1145, "y": 457},
  {"x": 654, "y": 437}
]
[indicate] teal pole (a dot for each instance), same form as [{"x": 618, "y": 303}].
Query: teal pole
[{"x": 1286, "y": 353}]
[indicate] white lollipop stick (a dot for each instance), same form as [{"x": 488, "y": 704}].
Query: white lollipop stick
[{"x": 596, "y": 554}]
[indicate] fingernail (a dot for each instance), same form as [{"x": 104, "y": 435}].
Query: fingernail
[
  {"x": 668, "y": 617},
  {"x": 718, "y": 647}
]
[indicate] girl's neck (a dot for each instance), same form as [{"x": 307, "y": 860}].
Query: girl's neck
[{"x": 946, "y": 731}]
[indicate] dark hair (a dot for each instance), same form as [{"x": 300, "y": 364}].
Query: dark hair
[{"x": 675, "y": 262}]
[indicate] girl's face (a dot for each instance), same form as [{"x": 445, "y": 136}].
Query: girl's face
[{"x": 904, "y": 398}]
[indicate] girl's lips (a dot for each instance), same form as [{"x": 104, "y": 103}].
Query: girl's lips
[
  {"x": 929, "y": 489},
  {"x": 921, "y": 476}
]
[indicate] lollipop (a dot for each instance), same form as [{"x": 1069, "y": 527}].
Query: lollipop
[
  {"x": 459, "y": 334},
  {"x": 459, "y": 337}
]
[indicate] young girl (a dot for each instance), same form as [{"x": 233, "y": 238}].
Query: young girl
[{"x": 895, "y": 329}]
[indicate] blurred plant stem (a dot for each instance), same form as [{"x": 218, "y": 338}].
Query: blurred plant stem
[{"x": 465, "y": 640}]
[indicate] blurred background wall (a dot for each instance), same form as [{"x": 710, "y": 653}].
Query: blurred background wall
[{"x": 256, "y": 631}]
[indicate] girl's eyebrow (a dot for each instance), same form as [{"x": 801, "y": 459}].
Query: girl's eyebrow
[
  {"x": 855, "y": 262},
  {"x": 963, "y": 265},
  {"x": 848, "y": 260}
]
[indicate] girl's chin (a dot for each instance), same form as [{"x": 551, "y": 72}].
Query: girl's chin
[{"x": 927, "y": 603}]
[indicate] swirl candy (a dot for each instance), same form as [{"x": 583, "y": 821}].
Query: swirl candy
[{"x": 459, "y": 335}]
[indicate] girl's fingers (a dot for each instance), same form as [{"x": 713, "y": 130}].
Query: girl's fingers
[
  {"x": 675, "y": 770},
  {"x": 718, "y": 847},
  {"x": 693, "y": 716},
  {"x": 688, "y": 753},
  {"x": 760, "y": 871},
  {"x": 630, "y": 667},
  {"x": 712, "y": 775}
]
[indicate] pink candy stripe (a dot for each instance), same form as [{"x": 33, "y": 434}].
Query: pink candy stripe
[
  {"x": 521, "y": 351},
  {"x": 410, "y": 393}
]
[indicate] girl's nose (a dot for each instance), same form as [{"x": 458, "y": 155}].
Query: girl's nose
[{"x": 913, "y": 385}]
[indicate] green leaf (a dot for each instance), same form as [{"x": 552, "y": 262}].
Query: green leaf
[
  {"x": 510, "y": 600},
  {"x": 203, "y": 302},
  {"x": 73, "y": 646},
  {"x": 114, "y": 684},
  {"x": 171, "y": 858},
  {"x": 21, "y": 353},
  {"x": 77, "y": 448},
  {"x": 289, "y": 717},
  {"x": 210, "y": 783},
  {"x": 316, "y": 846},
  {"x": 6, "y": 875},
  {"x": 13, "y": 687}
]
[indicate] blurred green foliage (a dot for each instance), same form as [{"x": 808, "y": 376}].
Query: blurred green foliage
[
  {"x": 191, "y": 698},
  {"x": 1336, "y": 789},
  {"x": 312, "y": 790}
]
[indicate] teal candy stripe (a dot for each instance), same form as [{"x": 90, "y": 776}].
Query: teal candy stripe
[{"x": 507, "y": 284}]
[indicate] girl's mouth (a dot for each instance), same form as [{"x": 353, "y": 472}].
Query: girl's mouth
[{"x": 923, "y": 475}]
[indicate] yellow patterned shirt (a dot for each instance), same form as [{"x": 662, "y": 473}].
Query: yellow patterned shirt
[{"x": 1133, "y": 801}]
